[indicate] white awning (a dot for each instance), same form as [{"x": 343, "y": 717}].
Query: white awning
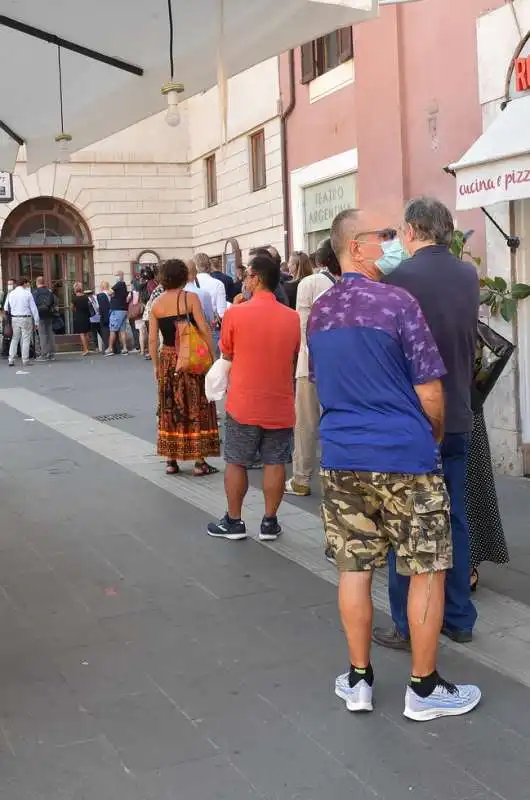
[
  {"x": 120, "y": 83},
  {"x": 497, "y": 167}
]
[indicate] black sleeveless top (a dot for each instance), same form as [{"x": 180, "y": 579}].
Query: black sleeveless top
[{"x": 167, "y": 327}]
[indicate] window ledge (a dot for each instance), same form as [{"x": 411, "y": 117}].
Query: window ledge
[{"x": 332, "y": 81}]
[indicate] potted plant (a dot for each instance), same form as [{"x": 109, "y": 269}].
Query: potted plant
[{"x": 495, "y": 292}]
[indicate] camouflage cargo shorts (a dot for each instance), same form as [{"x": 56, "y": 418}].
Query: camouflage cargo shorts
[{"x": 367, "y": 513}]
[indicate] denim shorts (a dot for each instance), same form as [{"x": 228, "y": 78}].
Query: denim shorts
[
  {"x": 243, "y": 443},
  {"x": 118, "y": 321}
]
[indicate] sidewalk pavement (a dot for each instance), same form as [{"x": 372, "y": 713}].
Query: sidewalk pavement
[{"x": 141, "y": 659}]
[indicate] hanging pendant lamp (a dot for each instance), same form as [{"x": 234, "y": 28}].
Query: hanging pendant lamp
[
  {"x": 172, "y": 89},
  {"x": 63, "y": 139}
]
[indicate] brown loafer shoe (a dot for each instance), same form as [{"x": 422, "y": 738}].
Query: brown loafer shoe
[{"x": 391, "y": 638}]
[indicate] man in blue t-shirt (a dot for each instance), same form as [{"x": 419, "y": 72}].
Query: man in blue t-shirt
[{"x": 377, "y": 371}]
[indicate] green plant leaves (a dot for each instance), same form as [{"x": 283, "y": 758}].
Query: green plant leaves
[
  {"x": 457, "y": 244},
  {"x": 520, "y": 291},
  {"x": 500, "y": 284},
  {"x": 508, "y": 308},
  {"x": 494, "y": 292},
  {"x": 490, "y": 283}
]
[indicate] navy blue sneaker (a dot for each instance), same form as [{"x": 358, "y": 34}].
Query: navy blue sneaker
[
  {"x": 270, "y": 529},
  {"x": 228, "y": 529}
]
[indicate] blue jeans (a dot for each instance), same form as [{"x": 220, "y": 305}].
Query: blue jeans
[{"x": 460, "y": 613}]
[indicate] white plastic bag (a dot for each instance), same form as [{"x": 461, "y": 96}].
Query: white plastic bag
[{"x": 217, "y": 380}]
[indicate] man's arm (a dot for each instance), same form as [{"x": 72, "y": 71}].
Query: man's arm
[
  {"x": 226, "y": 345},
  {"x": 220, "y": 299},
  {"x": 304, "y": 303},
  {"x": 206, "y": 301},
  {"x": 425, "y": 364},
  {"x": 431, "y": 396},
  {"x": 33, "y": 309}
]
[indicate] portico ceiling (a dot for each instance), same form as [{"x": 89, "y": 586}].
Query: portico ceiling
[{"x": 114, "y": 59}]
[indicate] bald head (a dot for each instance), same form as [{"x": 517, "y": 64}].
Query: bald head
[{"x": 356, "y": 244}]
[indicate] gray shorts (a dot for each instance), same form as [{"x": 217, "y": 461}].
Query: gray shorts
[{"x": 243, "y": 443}]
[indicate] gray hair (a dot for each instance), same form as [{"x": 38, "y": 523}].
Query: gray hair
[
  {"x": 430, "y": 220},
  {"x": 343, "y": 230},
  {"x": 202, "y": 262}
]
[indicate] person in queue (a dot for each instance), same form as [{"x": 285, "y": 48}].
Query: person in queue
[
  {"x": 271, "y": 252},
  {"x": 377, "y": 371},
  {"x": 307, "y": 406},
  {"x": 447, "y": 290},
  {"x": 300, "y": 267},
  {"x": 261, "y": 339},
  {"x": 187, "y": 422}
]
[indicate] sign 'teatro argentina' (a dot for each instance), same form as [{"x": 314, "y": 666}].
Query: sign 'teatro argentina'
[{"x": 323, "y": 201}]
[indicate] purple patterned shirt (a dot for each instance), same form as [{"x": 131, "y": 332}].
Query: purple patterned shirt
[{"x": 369, "y": 346}]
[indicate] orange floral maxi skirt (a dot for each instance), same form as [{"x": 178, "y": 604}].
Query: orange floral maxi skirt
[{"x": 187, "y": 422}]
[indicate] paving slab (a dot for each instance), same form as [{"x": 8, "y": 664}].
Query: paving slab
[{"x": 141, "y": 659}]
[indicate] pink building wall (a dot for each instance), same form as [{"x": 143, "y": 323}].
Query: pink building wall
[
  {"x": 412, "y": 109},
  {"x": 320, "y": 130}
]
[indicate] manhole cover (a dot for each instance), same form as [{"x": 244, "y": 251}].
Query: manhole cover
[{"x": 114, "y": 417}]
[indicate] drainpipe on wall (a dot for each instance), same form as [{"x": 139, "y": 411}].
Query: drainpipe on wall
[{"x": 286, "y": 113}]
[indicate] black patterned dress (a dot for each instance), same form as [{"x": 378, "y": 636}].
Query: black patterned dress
[{"x": 486, "y": 533}]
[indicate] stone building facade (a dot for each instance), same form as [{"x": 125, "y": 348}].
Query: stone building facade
[{"x": 145, "y": 193}]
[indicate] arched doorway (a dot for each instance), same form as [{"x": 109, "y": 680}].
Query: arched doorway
[{"x": 48, "y": 237}]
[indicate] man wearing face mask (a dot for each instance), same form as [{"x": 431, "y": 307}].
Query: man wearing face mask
[
  {"x": 447, "y": 290},
  {"x": 377, "y": 373},
  {"x": 393, "y": 251}
]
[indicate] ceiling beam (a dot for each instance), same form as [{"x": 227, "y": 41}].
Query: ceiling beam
[
  {"x": 11, "y": 133},
  {"x": 52, "y": 38}
]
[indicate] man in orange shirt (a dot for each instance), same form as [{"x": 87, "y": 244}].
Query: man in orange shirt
[{"x": 261, "y": 338}]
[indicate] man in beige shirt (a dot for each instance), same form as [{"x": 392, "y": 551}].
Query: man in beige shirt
[{"x": 307, "y": 405}]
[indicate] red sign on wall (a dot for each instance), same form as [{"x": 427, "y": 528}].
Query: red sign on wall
[{"x": 522, "y": 74}]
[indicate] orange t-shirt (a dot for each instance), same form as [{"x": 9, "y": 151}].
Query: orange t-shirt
[{"x": 262, "y": 338}]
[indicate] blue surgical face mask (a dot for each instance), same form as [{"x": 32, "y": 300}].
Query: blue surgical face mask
[{"x": 393, "y": 255}]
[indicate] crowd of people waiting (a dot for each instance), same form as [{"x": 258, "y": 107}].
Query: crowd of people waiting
[{"x": 370, "y": 345}]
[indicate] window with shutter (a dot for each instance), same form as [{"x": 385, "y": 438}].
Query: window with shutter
[
  {"x": 309, "y": 67},
  {"x": 210, "y": 168},
  {"x": 326, "y": 53},
  {"x": 345, "y": 45},
  {"x": 258, "y": 165}
]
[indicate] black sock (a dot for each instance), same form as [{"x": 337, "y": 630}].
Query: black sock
[
  {"x": 424, "y": 686},
  {"x": 270, "y": 519},
  {"x": 361, "y": 674},
  {"x": 232, "y": 521}
]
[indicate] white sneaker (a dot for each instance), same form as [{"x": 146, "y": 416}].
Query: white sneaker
[
  {"x": 358, "y": 697},
  {"x": 108, "y": 353},
  {"x": 124, "y": 353},
  {"x": 447, "y": 700}
]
